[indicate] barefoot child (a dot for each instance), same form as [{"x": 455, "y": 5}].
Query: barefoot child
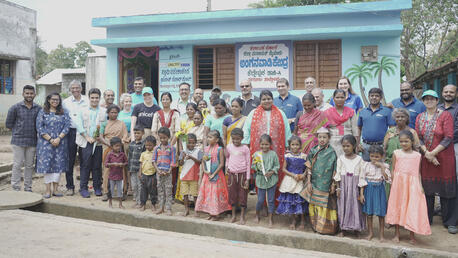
[
  {"x": 164, "y": 160},
  {"x": 198, "y": 129},
  {"x": 372, "y": 181},
  {"x": 407, "y": 203},
  {"x": 115, "y": 161},
  {"x": 213, "y": 196},
  {"x": 133, "y": 166},
  {"x": 147, "y": 176},
  {"x": 289, "y": 201},
  {"x": 238, "y": 170},
  {"x": 189, "y": 161},
  {"x": 347, "y": 174},
  {"x": 266, "y": 165}
]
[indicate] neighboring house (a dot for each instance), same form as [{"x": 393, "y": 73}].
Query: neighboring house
[
  {"x": 18, "y": 37},
  {"x": 58, "y": 80},
  {"x": 96, "y": 68},
  {"x": 436, "y": 79},
  {"x": 205, "y": 49}
]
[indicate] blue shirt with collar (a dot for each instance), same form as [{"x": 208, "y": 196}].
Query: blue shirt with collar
[
  {"x": 415, "y": 108},
  {"x": 375, "y": 123},
  {"x": 290, "y": 106},
  {"x": 353, "y": 101}
]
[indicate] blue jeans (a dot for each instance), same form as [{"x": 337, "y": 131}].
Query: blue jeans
[
  {"x": 270, "y": 199},
  {"x": 91, "y": 163},
  {"x": 72, "y": 150}
]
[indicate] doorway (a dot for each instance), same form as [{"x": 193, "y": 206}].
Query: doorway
[{"x": 135, "y": 62}]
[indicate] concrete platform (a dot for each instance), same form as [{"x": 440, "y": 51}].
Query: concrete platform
[
  {"x": 17, "y": 199},
  {"x": 45, "y": 235}
]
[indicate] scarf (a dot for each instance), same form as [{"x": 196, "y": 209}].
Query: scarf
[
  {"x": 338, "y": 119},
  {"x": 427, "y": 127},
  {"x": 162, "y": 118}
]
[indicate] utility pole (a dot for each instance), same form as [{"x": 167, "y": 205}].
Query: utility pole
[{"x": 209, "y": 5}]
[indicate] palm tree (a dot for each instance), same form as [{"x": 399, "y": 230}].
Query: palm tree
[
  {"x": 387, "y": 65},
  {"x": 362, "y": 72}
]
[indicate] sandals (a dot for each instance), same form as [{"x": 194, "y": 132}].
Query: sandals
[
  {"x": 57, "y": 194},
  {"x": 47, "y": 196}
]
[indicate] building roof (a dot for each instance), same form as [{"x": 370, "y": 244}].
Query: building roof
[
  {"x": 442, "y": 70},
  {"x": 55, "y": 76}
]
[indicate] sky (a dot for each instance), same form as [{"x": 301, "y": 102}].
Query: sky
[{"x": 69, "y": 21}]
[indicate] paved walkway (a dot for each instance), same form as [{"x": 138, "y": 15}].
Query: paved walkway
[{"x": 45, "y": 235}]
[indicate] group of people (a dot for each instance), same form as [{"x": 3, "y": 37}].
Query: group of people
[{"x": 300, "y": 156}]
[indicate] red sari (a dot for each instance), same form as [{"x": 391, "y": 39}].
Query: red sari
[
  {"x": 277, "y": 133},
  {"x": 307, "y": 125},
  {"x": 437, "y": 179}
]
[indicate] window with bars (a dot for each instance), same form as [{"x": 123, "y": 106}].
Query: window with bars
[
  {"x": 215, "y": 66},
  {"x": 6, "y": 76},
  {"x": 321, "y": 60}
]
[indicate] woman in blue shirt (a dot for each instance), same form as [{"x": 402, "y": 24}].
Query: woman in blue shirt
[
  {"x": 126, "y": 112},
  {"x": 352, "y": 101}
]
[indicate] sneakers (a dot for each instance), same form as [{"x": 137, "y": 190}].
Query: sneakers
[
  {"x": 98, "y": 192},
  {"x": 85, "y": 193},
  {"x": 252, "y": 192},
  {"x": 70, "y": 192},
  {"x": 105, "y": 197},
  {"x": 452, "y": 229}
]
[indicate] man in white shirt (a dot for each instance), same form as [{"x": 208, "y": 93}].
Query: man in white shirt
[
  {"x": 180, "y": 104},
  {"x": 320, "y": 104},
  {"x": 73, "y": 105},
  {"x": 197, "y": 96}
]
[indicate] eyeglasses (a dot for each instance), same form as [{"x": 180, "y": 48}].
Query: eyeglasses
[
  {"x": 244, "y": 86},
  {"x": 54, "y": 99}
]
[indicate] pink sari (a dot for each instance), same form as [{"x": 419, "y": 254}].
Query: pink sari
[{"x": 308, "y": 124}]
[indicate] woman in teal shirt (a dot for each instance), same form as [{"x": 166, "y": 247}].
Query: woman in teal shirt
[{"x": 126, "y": 112}]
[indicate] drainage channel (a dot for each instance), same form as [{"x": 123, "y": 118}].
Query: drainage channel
[{"x": 258, "y": 235}]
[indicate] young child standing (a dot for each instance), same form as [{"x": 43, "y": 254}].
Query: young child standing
[
  {"x": 266, "y": 165},
  {"x": 407, "y": 203},
  {"x": 189, "y": 161},
  {"x": 147, "y": 176},
  {"x": 164, "y": 160},
  {"x": 238, "y": 170},
  {"x": 213, "y": 195},
  {"x": 372, "y": 181},
  {"x": 133, "y": 166},
  {"x": 198, "y": 129},
  {"x": 289, "y": 201},
  {"x": 115, "y": 161},
  {"x": 347, "y": 174}
]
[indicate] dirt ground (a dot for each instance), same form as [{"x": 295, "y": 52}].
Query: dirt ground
[{"x": 439, "y": 240}]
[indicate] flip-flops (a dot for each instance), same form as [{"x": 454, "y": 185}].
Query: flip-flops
[
  {"x": 57, "y": 194},
  {"x": 46, "y": 196}
]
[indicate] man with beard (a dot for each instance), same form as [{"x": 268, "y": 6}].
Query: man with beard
[
  {"x": 373, "y": 122},
  {"x": 409, "y": 102},
  {"x": 137, "y": 96},
  {"x": 21, "y": 120},
  {"x": 449, "y": 95}
]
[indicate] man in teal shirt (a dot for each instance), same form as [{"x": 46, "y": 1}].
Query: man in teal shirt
[{"x": 137, "y": 96}]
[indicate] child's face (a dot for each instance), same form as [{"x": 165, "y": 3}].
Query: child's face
[
  {"x": 323, "y": 139},
  {"x": 406, "y": 143},
  {"x": 347, "y": 147},
  {"x": 202, "y": 105},
  {"x": 117, "y": 147},
  {"x": 212, "y": 139},
  {"x": 197, "y": 119},
  {"x": 113, "y": 114},
  {"x": 191, "y": 144},
  {"x": 375, "y": 157},
  {"x": 138, "y": 135},
  {"x": 149, "y": 145},
  {"x": 164, "y": 139},
  {"x": 295, "y": 146},
  {"x": 265, "y": 146},
  {"x": 236, "y": 140}
]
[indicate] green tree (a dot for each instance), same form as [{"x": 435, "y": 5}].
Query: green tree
[
  {"x": 41, "y": 60},
  {"x": 386, "y": 65},
  {"x": 362, "y": 73},
  {"x": 81, "y": 51},
  {"x": 61, "y": 57}
]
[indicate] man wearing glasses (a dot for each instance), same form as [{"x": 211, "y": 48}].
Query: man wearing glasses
[{"x": 250, "y": 101}]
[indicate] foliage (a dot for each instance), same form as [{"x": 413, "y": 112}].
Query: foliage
[
  {"x": 362, "y": 73},
  {"x": 41, "y": 64},
  {"x": 429, "y": 37},
  {"x": 281, "y": 3},
  {"x": 62, "y": 57}
]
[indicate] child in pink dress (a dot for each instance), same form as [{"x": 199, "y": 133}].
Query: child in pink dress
[{"x": 407, "y": 203}]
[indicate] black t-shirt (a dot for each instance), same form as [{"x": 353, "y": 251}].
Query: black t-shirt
[{"x": 145, "y": 114}]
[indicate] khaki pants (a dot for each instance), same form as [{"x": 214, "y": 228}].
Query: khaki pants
[{"x": 105, "y": 170}]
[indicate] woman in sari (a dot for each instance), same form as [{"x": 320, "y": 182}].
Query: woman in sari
[
  {"x": 166, "y": 117},
  {"x": 342, "y": 120},
  {"x": 235, "y": 121},
  {"x": 308, "y": 122},
  {"x": 267, "y": 119},
  {"x": 435, "y": 130},
  {"x": 320, "y": 187}
]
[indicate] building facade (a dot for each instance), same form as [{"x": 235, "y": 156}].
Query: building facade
[{"x": 222, "y": 48}]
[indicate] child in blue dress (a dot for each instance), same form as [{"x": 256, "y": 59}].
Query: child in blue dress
[{"x": 289, "y": 200}]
